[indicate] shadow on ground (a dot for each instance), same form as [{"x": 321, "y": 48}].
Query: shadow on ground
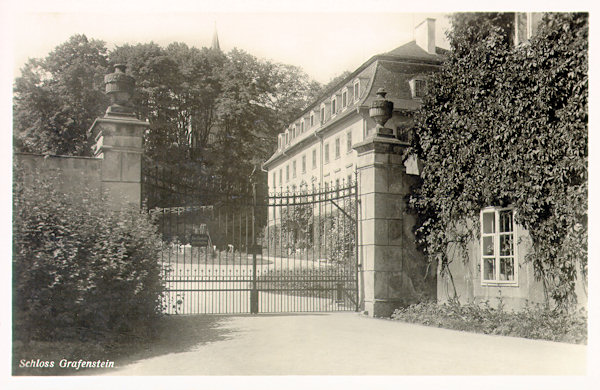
[
  {"x": 180, "y": 334},
  {"x": 174, "y": 334}
]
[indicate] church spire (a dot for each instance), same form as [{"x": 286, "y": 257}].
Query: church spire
[{"x": 215, "y": 40}]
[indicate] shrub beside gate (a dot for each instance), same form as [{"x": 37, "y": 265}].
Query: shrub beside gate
[{"x": 81, "y": 271}]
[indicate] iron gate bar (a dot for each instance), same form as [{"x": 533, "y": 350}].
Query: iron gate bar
[{"x": 308, "y": 272}]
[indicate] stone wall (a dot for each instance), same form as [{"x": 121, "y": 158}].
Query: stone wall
[{"x": 70, "y": 174}]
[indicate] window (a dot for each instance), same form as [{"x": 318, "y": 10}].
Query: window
[
  {"x": 349, "y": 179},
  {"x": 322, "y": 113},
  {"x": 333, "y": 106},
  {"x": 274, "y": 181},
  {"x": 326, "y": 153},
  {"x": 312, "y": 119},
  {"x": 293, "y": 132},
  {"x": 287, "y": 173},
  {"x": 498, "y": 249},
  {"x": 526, "y": 25},
  {"x": 345, "y": 99},
  {"x": 337, "y": 147},
  {"x": 356, "y": 90},
  {"x": 280, "y": 176},
  {"x": 314, "y": 158},
  {"x": 294, "y": 169},
  {"x": 304, "y": 163},
  {"x": 349, "y": 142},
  {"x": 287, "y": 137},
  {"x": 418, "y": 88},
  {"x": 302, "y": 126}
]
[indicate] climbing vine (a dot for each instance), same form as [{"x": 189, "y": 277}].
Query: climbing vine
[{"x": 505, "y": 125}]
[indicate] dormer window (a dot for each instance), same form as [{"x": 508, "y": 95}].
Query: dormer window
[
  {"x": 302, "y": 126},
  {"x": 333, "y": 105},
  {"x": 418, "y": 88},
  {"x": 312, "y": 119},
  {"x": 287, "y": 137},
  {"x": 356, "y": 90},
  {"x": 345, "y": 98},
  {"x": 323, "y": 113}
]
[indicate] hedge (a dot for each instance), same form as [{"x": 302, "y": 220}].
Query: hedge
[{"x": 81, "y": 271}]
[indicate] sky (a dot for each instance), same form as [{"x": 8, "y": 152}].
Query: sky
[{"x": 322, "y": 44}]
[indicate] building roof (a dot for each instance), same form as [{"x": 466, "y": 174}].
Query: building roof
[
  {"x": 388, "y": 70},
  {"x": 412, "y": 50}
]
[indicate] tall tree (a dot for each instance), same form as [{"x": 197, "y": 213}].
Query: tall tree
[
  {"x": 505, "y": 125},
  {"x": 56, "y": 99},
  {"x": 210, "y": 114},
  {"x": 258, "y": 99}
]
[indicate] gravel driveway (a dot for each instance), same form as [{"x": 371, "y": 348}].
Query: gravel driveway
[{"x": 351, "y": 344}]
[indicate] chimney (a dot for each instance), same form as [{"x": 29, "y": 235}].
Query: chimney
[{"x": 425, "y": 35}]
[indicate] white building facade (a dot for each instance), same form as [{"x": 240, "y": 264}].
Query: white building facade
[{"x": 316, "y": 150}]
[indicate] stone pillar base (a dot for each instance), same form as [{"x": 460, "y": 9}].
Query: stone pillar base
[{"x": 383, "y": 307}]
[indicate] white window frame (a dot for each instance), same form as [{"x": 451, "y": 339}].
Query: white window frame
[
  {"x": 302, "y": 126},
  {"x": 326, "y": 153},
  {"x": 304, "y": 163},
  {"x": 338, "y": 148},
  {"x": 345, "y": 99},
  {"x": 294, "y": 169},
  {"x": 349, "y": 142},
  {"x": 496, "y": 242},
  {"x": 312, "y": 119},
  {"x": 355, "y": 87}
]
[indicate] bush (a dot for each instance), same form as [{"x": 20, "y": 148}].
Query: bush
[
  {"x": 532, "y": 322},
  {"x": 81, "y": 271}
]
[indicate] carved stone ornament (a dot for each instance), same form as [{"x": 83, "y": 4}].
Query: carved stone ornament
[
  {"x": 381, "y": 111},
  {"x": 119, "y": 88}
]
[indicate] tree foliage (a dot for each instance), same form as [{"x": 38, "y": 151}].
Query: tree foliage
[
  {"x": 506, "y": 125},
  {"x": 57, "y": 98},
  {"x": 211, "y": 114}
]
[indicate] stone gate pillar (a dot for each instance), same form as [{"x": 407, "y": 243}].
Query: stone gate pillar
[
  {"x": 391, "y": 267},
  {"x": 119, "y": 135}
]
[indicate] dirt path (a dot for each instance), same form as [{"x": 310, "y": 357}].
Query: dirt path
[{"x": 350, "y": 344}]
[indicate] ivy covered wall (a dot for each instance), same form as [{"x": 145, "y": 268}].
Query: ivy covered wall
[{"x": 506, "y": 126}]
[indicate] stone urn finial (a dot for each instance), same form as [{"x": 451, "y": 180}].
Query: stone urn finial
[
  {"x": 381, "y": 111},
  {"x": 119, "y": 88}
]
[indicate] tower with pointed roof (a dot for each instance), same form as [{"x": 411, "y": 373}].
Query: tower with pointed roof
[{"x": 215, "y": 40}]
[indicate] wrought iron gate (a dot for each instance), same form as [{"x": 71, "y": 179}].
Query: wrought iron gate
[{"x": 229, "y": 250}]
